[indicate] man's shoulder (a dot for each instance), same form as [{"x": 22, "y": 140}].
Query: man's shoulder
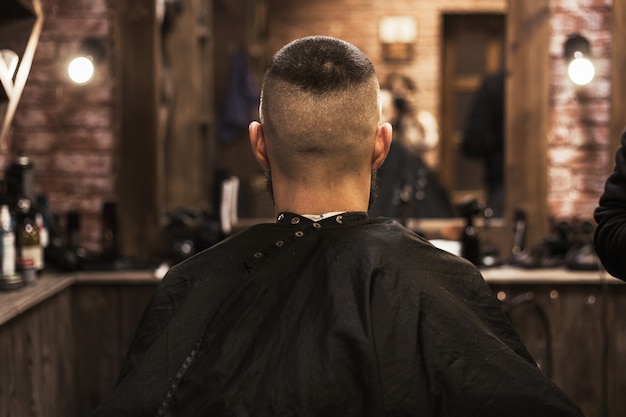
[
  {"x": 391, "y": 233},
  {"x": 229, "y": 249}
]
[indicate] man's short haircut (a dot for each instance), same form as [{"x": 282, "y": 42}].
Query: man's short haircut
[
  {"x": 321, "y": 64},
  {"x": 320, "y": 105}
]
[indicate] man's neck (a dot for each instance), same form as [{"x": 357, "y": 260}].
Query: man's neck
[{"x": 308, "y": 200}]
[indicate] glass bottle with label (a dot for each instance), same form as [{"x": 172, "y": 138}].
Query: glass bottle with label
[
  {"x": 9, "y": 279},
  {"x": 27, "y": 241},
  {"x": 43, "y": 239}
]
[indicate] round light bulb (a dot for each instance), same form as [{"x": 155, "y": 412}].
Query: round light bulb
[
  {"x": 580, "y": 70},
  {"x": 80, "y": 70}
]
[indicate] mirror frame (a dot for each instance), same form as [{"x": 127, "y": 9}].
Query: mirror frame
[{"x": 527, "y": 115}]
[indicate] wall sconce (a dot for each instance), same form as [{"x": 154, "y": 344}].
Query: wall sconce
[
  {"x": 81, "y": 68},
  {"x": 576, "y": 50},
  {"x": 398, "y": 35}
]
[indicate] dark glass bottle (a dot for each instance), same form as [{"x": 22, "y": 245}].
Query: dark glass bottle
[
  {"x": 29, "y": 253},
  {"x": 74, "y": 254},
  {"x": 109, "y": 231},
  {"x": 470, "y": 243},
  {"x": 19, "y": 180}
]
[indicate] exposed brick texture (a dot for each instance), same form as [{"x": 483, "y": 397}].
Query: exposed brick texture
[
  {"x": 578, "y": 140},
  {"x": 67, "y": 130}
]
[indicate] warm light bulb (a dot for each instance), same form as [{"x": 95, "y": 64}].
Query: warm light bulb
[
  {"x": 81, "y": 70},
  {"x": 580, "y": 70}
]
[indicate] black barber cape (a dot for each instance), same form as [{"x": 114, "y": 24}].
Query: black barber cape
[{"x": 342, "y": 317}]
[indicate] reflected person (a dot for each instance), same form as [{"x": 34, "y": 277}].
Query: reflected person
[
  {"x": 407, "y": 188},
  {"x": 483, "y": 137}
]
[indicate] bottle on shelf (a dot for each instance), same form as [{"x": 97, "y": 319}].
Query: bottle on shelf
[
  {"x": 109, "y": 231},
  {"x": 29, "y": 253},
  {"x": 74, "y": 255},
  {"x": 470, "y": 242},
  {"x": 19, "y": 180},
  {"x": 43, "y": 239},
  {"x": 9, "y": 279}
]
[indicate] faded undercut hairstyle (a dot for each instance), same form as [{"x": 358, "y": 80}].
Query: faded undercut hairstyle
[{"x": 320, "y": 107}]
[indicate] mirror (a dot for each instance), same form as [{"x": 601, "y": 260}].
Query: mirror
[
  {"x": 20, "y": 28},
  {"x": 472, "y": 119}
]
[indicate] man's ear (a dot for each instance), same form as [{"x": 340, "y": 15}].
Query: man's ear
[
  {"x": 257, "y": 141},
  {"x": 381, "y": 147}
]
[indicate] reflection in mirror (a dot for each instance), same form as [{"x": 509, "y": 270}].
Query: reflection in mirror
[
  {"x": 472, "y": 157},
  {"x": 483, "y": 138},
  {"x": 407, "y": 186},
  {"x": 20, "y": 27}
]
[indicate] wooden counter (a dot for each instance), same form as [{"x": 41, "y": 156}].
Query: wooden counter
[
  {"x": 63, "y": 339},
  {"x": 515, "y": 275},
  {"x": 574, "y": 325},
  {"x": 14, "y": 302}
]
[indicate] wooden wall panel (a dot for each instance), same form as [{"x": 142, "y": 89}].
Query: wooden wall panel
[
  {"x": 61, "y": 357},
  {"x": 584, "y": 349},
  {"x": 36, "y": 354},
  {"x": 615, "y": 364},
  {"x": 139, "y": 164},
  {"x": 186, "y": 117},
  {"x": 580, "y": 329},
  {"x": 527, "y": 112}
]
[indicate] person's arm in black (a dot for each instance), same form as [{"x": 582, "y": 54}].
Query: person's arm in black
[{"x": 610, "y": 216}]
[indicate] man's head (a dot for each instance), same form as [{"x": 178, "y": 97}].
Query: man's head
[{"x": 320, "y": 112}]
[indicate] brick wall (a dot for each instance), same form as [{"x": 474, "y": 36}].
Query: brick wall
[
  {"x": 68, "y": 130},
  {"x": 578, "y": 144}
]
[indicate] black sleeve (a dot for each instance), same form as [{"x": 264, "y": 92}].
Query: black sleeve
[
  {"x": 162, "y": 306},
  {"x": 610, "y": 216}
]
